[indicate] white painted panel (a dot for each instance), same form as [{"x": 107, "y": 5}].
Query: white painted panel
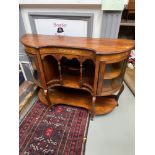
[{"x": 69, "y": 27}]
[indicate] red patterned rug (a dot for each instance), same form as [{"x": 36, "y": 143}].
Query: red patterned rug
[{"x": 60, "y": 130}]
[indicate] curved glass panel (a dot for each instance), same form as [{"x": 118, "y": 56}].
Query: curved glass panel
[
  {"x": 34, "y": 68},
  {"x": 113, "y": 76}
]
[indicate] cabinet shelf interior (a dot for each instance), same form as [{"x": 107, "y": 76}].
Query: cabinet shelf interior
[
  {"x": 109, "y": 84},
  {"x": 113, "y": 70},
  {"x": 50, "y": 66},
  {"x": 80, "y": 98},
  {"x": 71, "y": 72}
]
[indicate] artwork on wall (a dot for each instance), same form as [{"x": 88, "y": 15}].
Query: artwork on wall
[{"x": 65, "y": 27}]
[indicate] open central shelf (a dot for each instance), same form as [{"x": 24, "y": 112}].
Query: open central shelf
[
  {"x": 71, "y": 80},
  {"x": 78, "y": 98}
]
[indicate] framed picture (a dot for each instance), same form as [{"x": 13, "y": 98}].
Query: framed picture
[
  {"x": 61, "y": 27},
  {"x": 67, "y": 24}
]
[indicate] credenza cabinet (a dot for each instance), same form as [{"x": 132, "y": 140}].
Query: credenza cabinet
[{"x": 83, "y": 72}]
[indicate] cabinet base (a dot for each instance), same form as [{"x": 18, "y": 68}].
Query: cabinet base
[{"x": 79, "y": 98}]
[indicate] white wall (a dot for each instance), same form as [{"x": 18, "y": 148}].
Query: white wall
[{"x": 96, "y": 9}]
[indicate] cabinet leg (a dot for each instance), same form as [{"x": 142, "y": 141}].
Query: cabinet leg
[
  {"x": 120, "y": 92},
  {"x": 93, "y": 107},
  {"x": 118, "y": 95},
  {"x": 47, "y": 96}
]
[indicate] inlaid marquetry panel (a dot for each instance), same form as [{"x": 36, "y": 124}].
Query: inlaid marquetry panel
[
  {"x": 30, "y": 50},
  {"x": 113, "y": 57},
  {"x": 49, "y": 50}
]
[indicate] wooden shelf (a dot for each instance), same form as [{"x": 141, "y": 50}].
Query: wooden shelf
[
  {"x": 127, "y": 22},
  {"x": 72, "y": 81},
  {"x": 113, "y": 70},
  {"x": 71, "y": 69},
  {"x": 113, "y": 74},
  {"x": 111, "y": 85},
  {"x": 79, "y": 98},
  {"x": 27, "y": 90}
]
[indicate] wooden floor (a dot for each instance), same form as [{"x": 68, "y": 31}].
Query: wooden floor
[{"x": 26, "y": 92}]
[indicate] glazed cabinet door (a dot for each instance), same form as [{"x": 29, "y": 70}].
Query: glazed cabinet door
[{"x": 110, "y": 77}]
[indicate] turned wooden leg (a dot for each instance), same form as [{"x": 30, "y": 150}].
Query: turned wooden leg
[
  {"x": 93, "y": 107},
  {"x": 47, "y": 96}
]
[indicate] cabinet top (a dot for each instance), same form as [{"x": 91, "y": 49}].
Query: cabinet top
[{"x": 98, "y": 45}]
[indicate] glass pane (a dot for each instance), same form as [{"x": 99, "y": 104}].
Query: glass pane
[
  {"x": 113, "y": 70},
  {"x": 34, "y": 68},
  {"x": 109, "y": 85},
  {"x": 113, "y": 76}
]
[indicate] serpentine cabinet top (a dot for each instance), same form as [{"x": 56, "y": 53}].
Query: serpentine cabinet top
[{"x": 98, "y": 45}]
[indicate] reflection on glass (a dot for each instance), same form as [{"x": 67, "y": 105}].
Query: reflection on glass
[
  {"x": 34, "y": 68},
  {"x": 35, "y": 74},
  {"x": 110, "y": 84},
  {"x": 113, "y": 67}
]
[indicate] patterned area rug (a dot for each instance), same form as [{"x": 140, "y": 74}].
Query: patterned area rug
[{"x": 60, "y": 130}]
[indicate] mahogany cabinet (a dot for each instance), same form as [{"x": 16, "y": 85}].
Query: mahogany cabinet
[{"x": 84, "y": 72}]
